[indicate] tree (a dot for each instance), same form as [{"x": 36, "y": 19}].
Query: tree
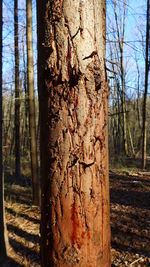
[
  {"x": 3, "y": 233},
  {"x": 32, "y": 123},
  {"x": 121, "y": 35},
  {"x": 73, "y": 94},
  {"x": 17, "y": 101},
  {"x": 145, "y": 92}
]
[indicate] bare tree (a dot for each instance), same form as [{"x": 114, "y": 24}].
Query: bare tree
[
  {"x": 17, "y": 101},
  {"x": 145, "y": 92},
  {"x": 121, "y": 34},
  {"x": 32, "y": 123},
  {"x": 3, "y": 232}
]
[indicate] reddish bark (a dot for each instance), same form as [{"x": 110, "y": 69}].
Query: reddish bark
[{"x": 75, "y": 227}]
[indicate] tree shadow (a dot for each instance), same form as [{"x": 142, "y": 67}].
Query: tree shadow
[
  {"x": 9, "y": 262},
  {"x": 131, "y": 198},
  {"x": 17, "y": 198},
  {"x": 130, "y": 215},
  {"x": 25, "y": 216},
  {"x": 23, "y": 181},
  {"x": 29, "y": 237},
  {"x": 31, "y": 255},
  {"x": 24, "y": 244}
]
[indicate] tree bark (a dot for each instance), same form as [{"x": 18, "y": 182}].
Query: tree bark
[
  {"x": 32, "y": 123},
  {"x": 3, "y": 232},
  {"x": 17, "y": 101},
  {"x": 73, "y": 95}
]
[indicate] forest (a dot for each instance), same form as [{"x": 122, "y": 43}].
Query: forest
[{"x": 74, "y": 133}]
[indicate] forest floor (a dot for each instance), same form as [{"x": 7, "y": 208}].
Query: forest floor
[
  {"x": 130, "y": 218},
  {"x": 130, "y": 214},
  {"x": 23, "y": 223}
]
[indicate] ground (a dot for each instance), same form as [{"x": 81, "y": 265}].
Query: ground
[
  {"x": 23, "y": 221},
  {"x": 130, "y": 215},
  {"x": 130, "y": 219}
]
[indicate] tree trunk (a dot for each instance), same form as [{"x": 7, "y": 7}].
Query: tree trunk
[
  {"x": 121, "y": 35},
  {"x": 26, "y": 106},
  {"x": 124, "y": 107},
  {"x": 145, "y": 93},
  {"x": 17, "y": 102},
  {"x": 3, "y": 232},
  {"x": 131, "y": 140},
  {"x": 32, "y": 123},
  {"x": 73, "y": 95}
]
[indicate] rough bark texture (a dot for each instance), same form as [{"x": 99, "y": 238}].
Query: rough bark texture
[
  {"x": 32, "y": 123},
  {"x": 17, "y": 102},
  {"x": 75, "y": 227}
]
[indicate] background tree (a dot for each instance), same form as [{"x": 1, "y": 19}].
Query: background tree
[
  {"x": 146, "y": 89},
  {"x": 3, "y": 232},
  {"x": 32, "y": 122},
  {"x": 120, "y": 22},
  {"x": 17, "y": 100},
  {"x": 120, "y": 27},
  {"x": 73, "y": 97}
]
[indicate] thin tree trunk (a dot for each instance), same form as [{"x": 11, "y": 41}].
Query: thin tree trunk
[
  {"x": 145, "y": 93},
  {"x": 26, "y": 135},
  {"x": 3, "y": 232},
  {"x": 138, "y": 95},
  {"x": 8, "y": 116},
  {"x": 32, "y": 122},
  {"x": 17, "y": 102},
  {"x": 73, "y": 95},
  {"x": 121, "y": 34},
  {"x": 131, "y": 140},
  {"x": 124, "y": 107}
]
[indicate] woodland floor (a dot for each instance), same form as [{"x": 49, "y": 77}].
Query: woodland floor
[
  {"x": 23, "y": 222},
  {"x": 130, "y": 215},
  {"x": 130, "y": 218}
]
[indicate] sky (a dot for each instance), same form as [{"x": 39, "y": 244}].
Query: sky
[
  {"x": 134, "y": 47},
  {"x": 8, "y": 40},
  {"x": 135, "y": 25}
]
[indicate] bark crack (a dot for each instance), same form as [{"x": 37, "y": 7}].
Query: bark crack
[
  {"x": 86, "y": 165},
  {"x": 91, "y": 55}
]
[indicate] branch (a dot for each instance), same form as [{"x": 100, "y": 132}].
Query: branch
[
  {"x": 112, "y": 62},
  {"x": 113, "y": 71}
]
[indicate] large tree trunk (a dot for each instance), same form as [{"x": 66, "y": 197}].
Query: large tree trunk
[
  {"x": 3, "y": 233},
  {"x": 75, "y": 226},
  {"x": 32, "y": 123},
  {"x": 17, "y": 102}
]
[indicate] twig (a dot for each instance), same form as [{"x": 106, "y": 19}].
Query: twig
[
  {"x": 111, "y": 77},
  {"x": 135, "y": 261},
  {"x": 113, "y": 71},
  {"x": 112, "y": 62}
]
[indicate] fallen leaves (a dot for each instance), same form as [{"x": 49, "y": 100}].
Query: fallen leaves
[{"x": 130, "y": 218}]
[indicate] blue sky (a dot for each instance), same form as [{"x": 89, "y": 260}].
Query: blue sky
[
  {"x": 135, "y": 22},
  {"x": 8, "y": 40},
  {"x": 133, "y": 46}
]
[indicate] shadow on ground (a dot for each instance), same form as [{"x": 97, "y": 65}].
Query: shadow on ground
[
  {"x": 31, "y": 255},
  {"x": 10, "y": 263},
  {"x": 130, "y": 213},
  {"x": 22, "y": 223}
]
